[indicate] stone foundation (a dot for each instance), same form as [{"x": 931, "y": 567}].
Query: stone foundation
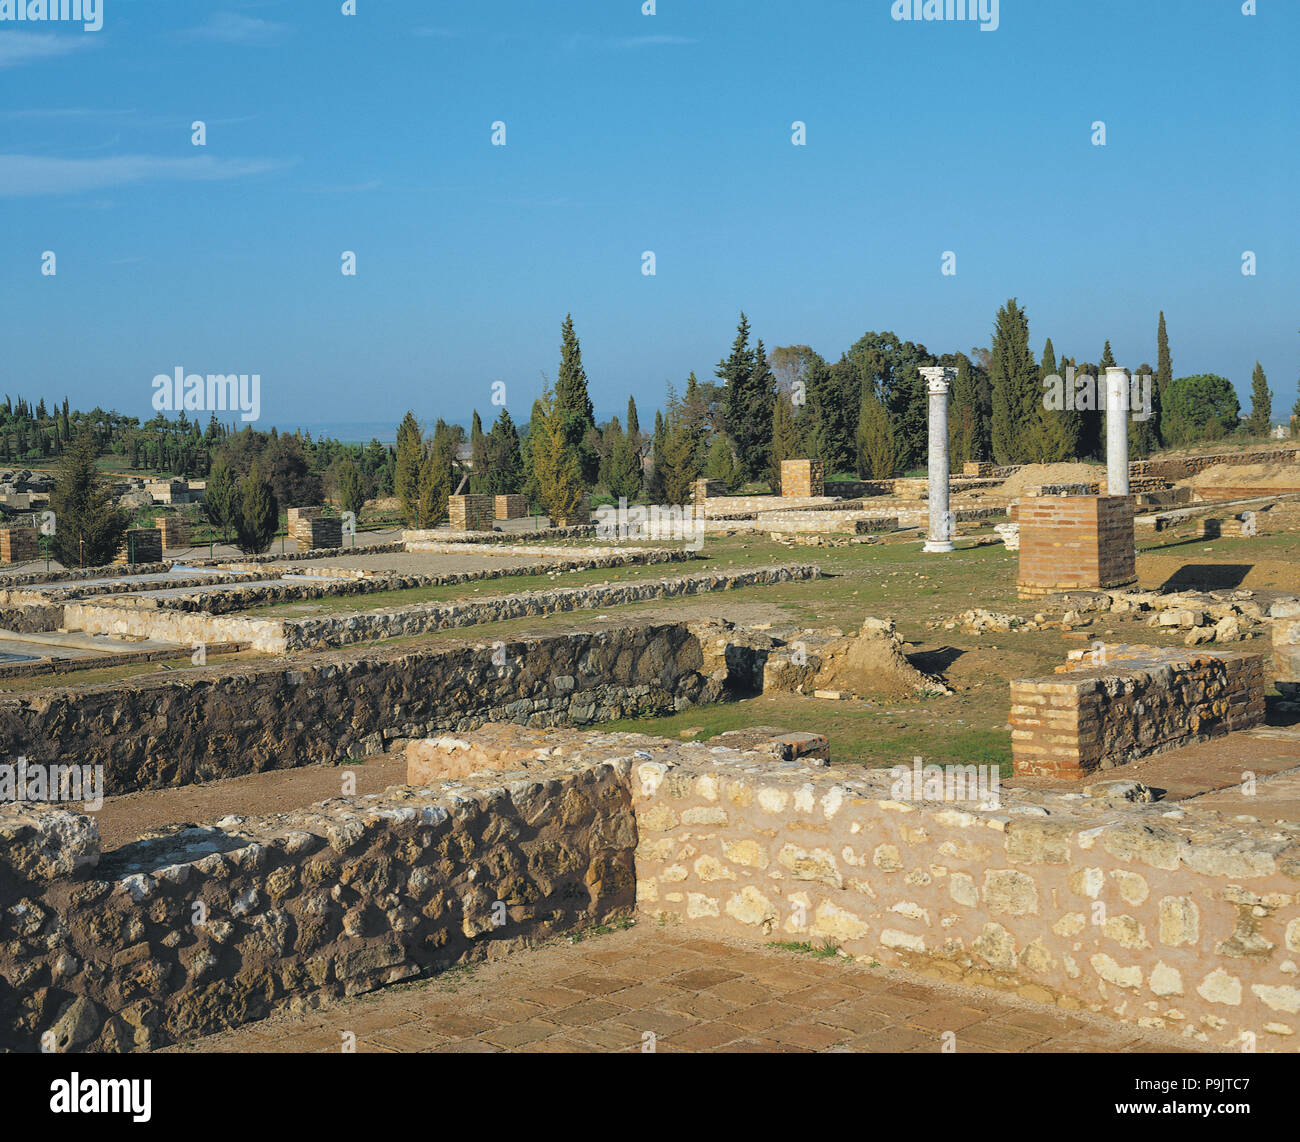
[{"x": 1143, "y": 701}]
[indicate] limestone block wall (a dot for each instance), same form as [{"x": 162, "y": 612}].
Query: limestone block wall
[
  {"x": 472, "y": 512},
  {"x": 110, "y": 953},
  {"x": 1073, "y": 542},
  {"x": 802, "y": 478},
  {"x": 1161, "y": 916},
  {"x": 1286, "y": 644},
  {"x": 511, "y": 507},
  {"x": 159, "y": 730},
  {"x": 174, "y": 531},
  {"x": 1098, "y": 717}
]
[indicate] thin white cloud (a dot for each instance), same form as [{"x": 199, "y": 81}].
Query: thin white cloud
[
  {"x": 25, "y": 175},
  {"x": 233, "y": 28},
  {"x": 652, "y": 41},
  {"x": 25, "y": 47}
]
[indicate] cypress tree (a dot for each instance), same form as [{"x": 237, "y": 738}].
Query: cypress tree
[
  {"x": 351, "y": 496},
  {"x": 786, "y": 444},
  {"x": 410, "y": 459},
  {"x": 1261, "y": 403},
  {"x": 750, "y": 393},
  {"x": 573, "y": 403},
  {"x": 1016, "y": 392},
  {"x": 633, "y": 422}
]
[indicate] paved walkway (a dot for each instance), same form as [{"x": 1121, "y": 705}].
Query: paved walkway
[{"x": 672, "y": 989}]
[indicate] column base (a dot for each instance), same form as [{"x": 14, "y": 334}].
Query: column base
[{"x": 938, "y": 546}]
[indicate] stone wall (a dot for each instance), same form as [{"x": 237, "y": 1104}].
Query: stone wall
[
  {"x": 1158, "y": 915},
  {"x": 472, "y": 512},
  {"x": 175, "y": 532},
  {"x": 1073, "y": 542},
  {"x": 313, "y": 531},
  {"x": 1286, "y": 645},
  {"x": 511, "y": 507},
  {"x": 141, "y": 545},
  {"x": 278, "y": 636},
  {"x": 208, "y": 928},
  {"x": 802, "y": 478},
  {"x": 1179, "y": 468},
  {"x": 159, "y": 730},
  {"x": 19, "y": 544},
  {"x": 1093, "y": 717}
]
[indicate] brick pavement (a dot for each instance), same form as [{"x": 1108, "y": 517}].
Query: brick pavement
[{"x": 673, "y": 989}]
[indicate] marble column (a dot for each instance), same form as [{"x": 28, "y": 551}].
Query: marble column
[
  {"x": 1117, "y": 410},
  {"x": 938, "y": 380}
]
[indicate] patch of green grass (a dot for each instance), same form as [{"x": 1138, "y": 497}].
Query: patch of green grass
[{"x": 828, "y": 949}]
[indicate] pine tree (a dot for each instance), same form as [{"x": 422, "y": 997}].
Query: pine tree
[
  {"x": 258, "y": 517},
  {"x": 1016, "y": 392},
  {"x": 877, "y": 452},
  {"x": 1261, "y": 403},
  {"x": 410, "y": 460},
  {"x": 750, "y": 393},
  {"x": 88, "y": 527}
]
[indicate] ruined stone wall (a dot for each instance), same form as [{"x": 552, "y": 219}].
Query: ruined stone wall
[
  {"x": 159, "y": 730},
  {"x": 208, "y": 928},
  {"x": 278, "y": 636},
  {"x": 1162, "y": 916},
  {"x": 141, "y": 545},
  {"x": 1094, "y": 717},
  {"x": 471, "y": 513},
  {"x": 1179, "y": 468}
]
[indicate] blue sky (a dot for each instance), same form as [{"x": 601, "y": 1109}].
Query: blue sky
[{"x": 626, "y": 133}]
